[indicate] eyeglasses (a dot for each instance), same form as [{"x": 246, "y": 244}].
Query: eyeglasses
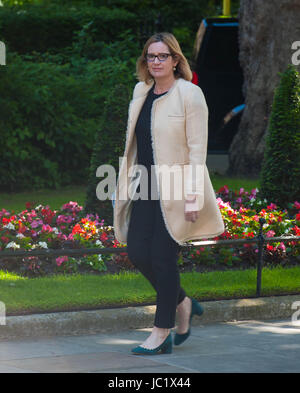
[{"x": 161, "y": 56}]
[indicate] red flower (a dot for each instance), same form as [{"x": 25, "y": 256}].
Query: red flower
[
  {"x": 103, "y": 236},
  {"x": 298, "y": 217},
  {"x": 77, "y": 229},
  {"x": 28, "y": 205},
  {"x": 48, "y": 215},
  {"x": 296, "y": 230},
  {"x": 297, "y": 205},
  {"x": 22, "y": 227},
  {"x": 224, "y": 189}
]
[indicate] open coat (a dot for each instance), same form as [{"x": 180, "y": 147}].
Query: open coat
[{"x": 179, "y": 121}]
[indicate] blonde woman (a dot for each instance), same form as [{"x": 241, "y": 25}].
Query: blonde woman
[{"x": 167, "y": 127}]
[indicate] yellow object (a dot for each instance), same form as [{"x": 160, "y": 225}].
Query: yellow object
[{"x": 226, "y": 7}]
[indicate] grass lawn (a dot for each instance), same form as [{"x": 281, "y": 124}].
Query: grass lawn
[
  {"x": 56, "y": 198},
  {"x": 73, "y": 292}
]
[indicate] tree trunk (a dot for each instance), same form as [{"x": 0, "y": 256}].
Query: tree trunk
[{"x": 267, "y": 31}]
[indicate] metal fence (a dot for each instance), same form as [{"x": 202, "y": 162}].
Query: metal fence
[{"x": 260, "y": 240}]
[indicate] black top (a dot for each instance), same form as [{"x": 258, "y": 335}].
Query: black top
[{"x": 143, "y": 134}]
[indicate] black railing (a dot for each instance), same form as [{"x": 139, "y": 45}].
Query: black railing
[{"x": 260, "y": 240}]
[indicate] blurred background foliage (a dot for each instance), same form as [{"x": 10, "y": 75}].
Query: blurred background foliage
[{"x": 70, "y": 72}]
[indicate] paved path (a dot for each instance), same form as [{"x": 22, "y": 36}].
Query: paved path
[{"x": 245, "y": 346}]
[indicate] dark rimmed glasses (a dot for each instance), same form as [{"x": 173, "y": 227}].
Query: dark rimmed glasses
[{"x": 161, "y": 56}]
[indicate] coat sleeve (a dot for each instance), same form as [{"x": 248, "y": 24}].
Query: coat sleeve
[{"x": 196, "y": 136}]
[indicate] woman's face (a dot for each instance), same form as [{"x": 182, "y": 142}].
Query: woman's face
[{"x": 160, "y": 69}]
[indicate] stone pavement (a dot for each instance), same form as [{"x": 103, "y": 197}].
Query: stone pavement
[{"x": 226, "y": 347}]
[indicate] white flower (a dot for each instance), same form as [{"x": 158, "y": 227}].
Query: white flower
[
  {"x": 55, "y": 230},
  {"x": 12, "y": 245},
  {"x": 20, "y": 236},
  {"x": 9, "y": 226},
  {"x": 43, "y": 244},
  {"x": 98, "y": 242}
]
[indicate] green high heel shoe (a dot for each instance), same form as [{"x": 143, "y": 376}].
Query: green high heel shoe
[
  {"x": 165, "y": 347},
  {"x": 197, "y": 309}
]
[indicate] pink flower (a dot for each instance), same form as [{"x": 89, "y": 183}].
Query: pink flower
[
  {"x": 72, "y": 207},
  {"x": 224, "y": 189},
  {"x": 282, "y": 246},
  {"x": 60, "y": 260},
  {"x": 223, "y": 204},
  {"x": 239, "y": 200},
  {"x": 272, "y": 206},
  {"x": 297, "y": 205},
  {"x": 61, "y": 219},
  {"x": 241, "y": 190},
  {"x": 36, "y": 223},
  {"x": 270, "y": 233},
  {"x": 61, "y": 236},
  {"x": 46, "y": 228}
]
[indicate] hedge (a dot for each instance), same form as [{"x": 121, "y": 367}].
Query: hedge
[{"x": 51, "y": 28}]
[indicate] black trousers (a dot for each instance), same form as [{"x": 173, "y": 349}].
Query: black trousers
[{"x": 155, "y": 254}]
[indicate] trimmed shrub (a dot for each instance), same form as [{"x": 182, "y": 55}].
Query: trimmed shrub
[
  {"x": 110, "y": 138},
  {"x": 50, "y": 28},
  {"x": 280, "y": 173}
]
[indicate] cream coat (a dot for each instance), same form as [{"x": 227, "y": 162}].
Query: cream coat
[{"x": 179, "y": 122}]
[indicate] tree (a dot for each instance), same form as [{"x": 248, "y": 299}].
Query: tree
[{"x": 267, "y": 32}]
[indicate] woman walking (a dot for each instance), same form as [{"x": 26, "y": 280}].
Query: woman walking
[{"x": 167, "y": 128}]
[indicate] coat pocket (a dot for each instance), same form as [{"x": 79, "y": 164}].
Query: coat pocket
[{"x": 176, "y": 117}]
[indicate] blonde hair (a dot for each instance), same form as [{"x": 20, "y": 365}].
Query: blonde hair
[{"x": 183, "y": 69}]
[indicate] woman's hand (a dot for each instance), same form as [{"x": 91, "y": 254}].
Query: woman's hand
[{"x": 191, "y": 210}]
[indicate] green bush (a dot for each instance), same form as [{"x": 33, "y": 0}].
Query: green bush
[
  {"x": 280, "y": 173},
  {"x": 110, "y": 138},
  {"x": 52, "y": 25},
  {"x": 53, "y": 106},
  {"x": 49, "y": 117},
  {"x": 50, "y": 28}
]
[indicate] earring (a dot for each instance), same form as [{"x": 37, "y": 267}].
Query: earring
[{"x": 174, "y": 68}]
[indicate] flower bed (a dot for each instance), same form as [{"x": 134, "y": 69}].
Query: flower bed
[{"x": 41, "y": 227}]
